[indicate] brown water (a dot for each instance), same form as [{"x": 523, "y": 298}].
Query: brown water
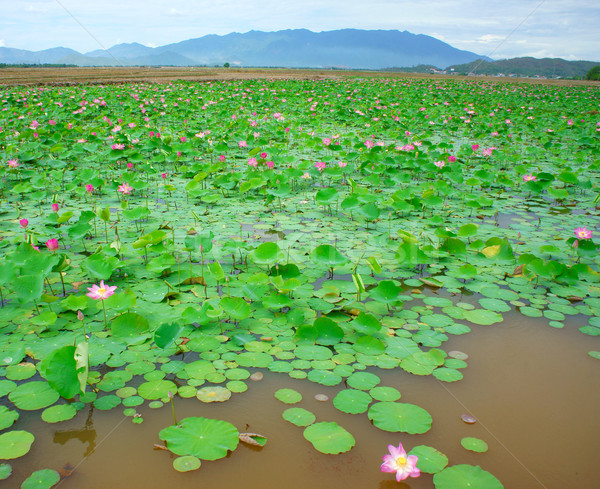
[{"x": 533, "y": 389}]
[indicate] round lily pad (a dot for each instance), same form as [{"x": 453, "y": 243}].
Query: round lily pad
[
  {"x": 106, "y": 403},
  {"x": 395, "y": 416},
  {"x": 324, "y": 377},
  {"x": 299, "y": 416},
  {"x": 56, "y": 414},
  {"x": 7, "y": 417},
  {"x": 329, "y": 437},
  {"x": 207, "y": 439},
  {"x": 447, "y": 374},
  {"x": 465, "y": 477},
  {"x": 5, "y": 471},
  {"x": 15, "y": 444},
  {"x": 474, "y": 444},
  {"x": 213, "y": 394},
  {"x": 156, "y": 389},
  {"x": 155, "y": 404},
  {"x": 7, "y": 386},
  {"x": 384, "y": 393},
  {"x": 21, "y": 371},
  {"x": 33, "y": 395},
  {"x": 186, "y": 463},
  {"x": 237, "y": 386},
  {"x": 352, "y": 401},
  {"x": 288, "y": 396},
  {"x": 483, "y": 317},
  {"x": 41, "y": 479},
  {"x": 430, "y": 460},
  {"x": 363, "y": 380}
]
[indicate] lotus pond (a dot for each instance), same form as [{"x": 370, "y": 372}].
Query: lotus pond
[{"x": 252, "y": 282}]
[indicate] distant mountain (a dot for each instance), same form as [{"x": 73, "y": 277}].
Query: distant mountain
[
  {"x": 546, "y": 67},
  {"x": 345, "y": 48}
]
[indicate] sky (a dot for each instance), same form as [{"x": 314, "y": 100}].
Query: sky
[{"x": 496, "y": 28}]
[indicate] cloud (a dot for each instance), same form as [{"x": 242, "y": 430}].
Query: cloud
[
  {"x": 2, "y": 43},
  {"x": 173, "y": 12}
]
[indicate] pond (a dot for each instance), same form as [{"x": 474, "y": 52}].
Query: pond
[{"x": 532, "y": 389}]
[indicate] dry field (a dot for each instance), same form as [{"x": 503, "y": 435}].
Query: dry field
[{"x": 109, "y": 75}]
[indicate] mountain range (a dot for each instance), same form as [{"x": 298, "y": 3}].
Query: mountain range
[{"x": 295, "y": 48}]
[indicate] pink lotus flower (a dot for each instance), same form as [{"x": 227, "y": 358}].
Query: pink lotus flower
[
  {"x": 89, "y": 188},
  {"x": 270, "y": 164},
  {"x": 529, "y": 178},
  {"x": 242, "y": 144},
  {"x": 397, "y": 461},
  {"x": 342, "y": 164},
  {"x": 13, "y": 163},
  {"x": 125, "y": 188},
  {"x": 52, "y": 244},
  {"x": 253, "y": 162},
  {"x": 118, "y": 146},
  {"x": 583, "y": 233},
  {"x": 369, "y": 144},
  {"x": 306, "y": 176},
  {"x": 263, "y": 155},
  {"x": 320, "y": 165},
  {"x": 102, "y": 292},
  {"x": 451, "y": 159},
  {"x": 164, "y": 175},
  {"x": 475, "y": 147},
  {"x": 222, "y": 158},
  {"x": 129, "y": 166},
  {"x": 439, "y": 164},
  {"x": 327, "y": 141},
  {"x": 24, "y": 223},
  {"x": 55, "y": 207}
]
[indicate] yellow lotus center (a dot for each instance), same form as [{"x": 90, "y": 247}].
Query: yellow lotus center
[
  {"x": 101, "y": 291},
  {"x": 400, "y": 461}
]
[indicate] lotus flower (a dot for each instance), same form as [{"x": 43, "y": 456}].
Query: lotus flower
[
  {"x": 583, "y": 233},
  {"x": 24, "y": 223},
  {"x": 397, "y": 461},
  {"x": 125, "y": 188},
  {"x": 52, "y": 244},
  {"x": 102, "y": 292}
]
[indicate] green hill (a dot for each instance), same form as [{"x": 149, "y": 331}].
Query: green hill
[{"x": 545, "y": 67}]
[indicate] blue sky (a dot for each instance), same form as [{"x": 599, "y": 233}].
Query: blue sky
[{"x": 497, "y": 28}]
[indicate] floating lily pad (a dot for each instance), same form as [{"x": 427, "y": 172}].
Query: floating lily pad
[
  {"x": 7, "y": 417},
  {"x": 288, "y": 396},
  {"x": 33, "y": 395},
  {"x": 465, "y": 477},
  {"x": 329, "y": 437},
  {"x": 363, "y": 380},
  {"x": 395, "y": 416},
  {"x": 186, "y": 463},
  {"x": 431, "y": 461},
  {"x": 299, "y": 416},
  {"x": 207, "y": 439},
  {"x": 5, "y": 471},
  {"x": 474, "y": 444},
  {"x": 41, "y": 479},
  {"x": 156, "y": 389},
  {"x": 56, "y": 414},
  {"x": 383, "y": 393},
  {"x": 352, "y": 401},
  {"x": 213, "y": 394},
  {"x": 15, "y": 444}
]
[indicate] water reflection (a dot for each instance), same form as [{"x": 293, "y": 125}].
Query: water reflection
[{"x": 87, "y": 434}]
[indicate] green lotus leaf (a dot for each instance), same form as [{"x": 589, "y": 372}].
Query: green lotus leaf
[
  {"x": 395, "y": 416},
  {"x": 56, "y": 414},
  {"x": 206, "y": 439},
  {"x": 299, "y": 416},
  {"x": 352, "y": 401},
  {"x": 474, "y": 444},
  {"x": 213, "y": 394},
  {"x": 15, "y": 444},
  {"x": 7, "y": 417},
  {"x": 186, "y": 463},
  {"x": 465, "y": 477},
  {"x": 157, "y": 389},
  {"x": 288, "y": 396},
  {"x": 129, "y": 325},
  {"x": 61, "y": 371},
  {"x": 431, "y": 461},
  {"x": 363, "y": 380},
  {"x": 166, "y": 334},
  {"x": 33, "y": 395},
  {"x": 328, "y": 256},
  {"x": 5, "y": 471},
  {"x": 329, "y": 437},
  {"x": 41, "y": 479}
]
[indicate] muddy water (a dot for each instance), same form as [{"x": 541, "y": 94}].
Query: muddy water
[{"x": 533, "y": 389}]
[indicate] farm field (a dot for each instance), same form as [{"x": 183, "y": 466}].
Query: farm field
[{"x": 332, "y": 265}]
